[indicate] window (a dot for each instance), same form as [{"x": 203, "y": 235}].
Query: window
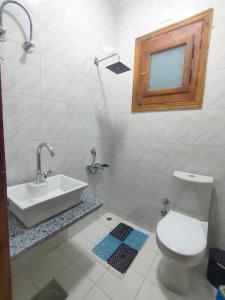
[{"x": 170, "y": 65}]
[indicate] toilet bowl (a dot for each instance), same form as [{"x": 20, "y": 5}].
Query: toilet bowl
[
  {"x": 182, "y": 235},
  {"x": 182, "y": 241}
]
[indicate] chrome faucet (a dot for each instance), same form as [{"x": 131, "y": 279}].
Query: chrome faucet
[{"x": 40, "y": 177}]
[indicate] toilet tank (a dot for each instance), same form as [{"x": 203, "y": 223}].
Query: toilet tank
[{"x": 192, "y": 194}]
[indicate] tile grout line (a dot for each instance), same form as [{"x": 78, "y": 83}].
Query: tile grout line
[
  {"x": 73, "y": 262},
  {"x": 63, "y": 268},
  {"x": 95, "y": 285},
  {"x": 145, "y": 277},
  {"x": 100, "y": 287}
]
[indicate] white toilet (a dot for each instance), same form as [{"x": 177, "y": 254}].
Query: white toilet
[{"x": 182, "y": 234}]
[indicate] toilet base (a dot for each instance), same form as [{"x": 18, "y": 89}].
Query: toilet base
[{"x": 176, "y": 278}]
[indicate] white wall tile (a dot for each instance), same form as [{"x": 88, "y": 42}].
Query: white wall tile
[
  {"x": 20, "y": 123},
  {"x": 53, "y": 46},
  {"x": 214, "y": 90},
  {"x": 55, "y": 95},
  {"x": 21, "y": 70},
  {"x": 83, "y": 106},
  {"x": 54, "y": 120},
  {"x": 161, "y": 142},
  {"x": 216, "y": 54},
  {"x": 20, "y": 161},
  {"x": 54, "y": 81}
]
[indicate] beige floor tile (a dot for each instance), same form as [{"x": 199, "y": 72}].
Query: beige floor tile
[
  {"x": 150, "y": 291},
  {"x": 109, "y": 224},
  {"x": 95, "y": 232},
  {"x": 143, "y": 261},
  {"x": 45, "y": 268},
  {"x": 154, "y": 270},
  {"x": 89, "y": 267},
  {"x": 75, "y": 246},
  {"x": 96, "y": 294},
  {"x": 23, "y": 287},
  {"x": 82, "y": 241},
  {"x": 151, "y": 242},
  {"x": 117, "y": 289},
  {"x": 75, "y": 283}
]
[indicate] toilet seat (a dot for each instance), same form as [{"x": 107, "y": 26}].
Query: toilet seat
[{"x": 183, "y": 235}]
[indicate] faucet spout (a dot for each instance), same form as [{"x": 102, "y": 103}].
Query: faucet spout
[{"x": 40, "y": 176}]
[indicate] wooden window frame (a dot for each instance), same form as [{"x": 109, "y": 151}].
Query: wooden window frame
[{"x": 193, "y": 32}]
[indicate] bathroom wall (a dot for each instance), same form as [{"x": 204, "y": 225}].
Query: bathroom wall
[
  {"x": 148, "y": 147},
  {"x": 56, "y": 94}
]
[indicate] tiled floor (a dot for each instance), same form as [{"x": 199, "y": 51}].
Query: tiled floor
[{"x": 83, "y": 276}]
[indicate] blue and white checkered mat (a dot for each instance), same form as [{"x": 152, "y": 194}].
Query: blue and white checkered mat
[{"x": 120, "y": 247}]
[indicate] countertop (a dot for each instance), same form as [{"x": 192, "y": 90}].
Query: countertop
[{"x": 23, "y": 239}]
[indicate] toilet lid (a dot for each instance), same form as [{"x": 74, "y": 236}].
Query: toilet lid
[{"x": 182, "y": 234}]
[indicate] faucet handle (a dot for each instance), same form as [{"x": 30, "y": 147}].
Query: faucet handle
[
  {"x": 47, "y": 174},
  {"x": 105, "y": 165},
  {"x": 165, "y": 201}
]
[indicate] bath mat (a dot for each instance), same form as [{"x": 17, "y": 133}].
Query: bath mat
[
  {"x": 120, "y": 247},
  {"x": 121, "y": 231},
  {"x": 106, "y": 247},
  {"x": 122, "y": 258},
  {"x": 136, "y": 239}
]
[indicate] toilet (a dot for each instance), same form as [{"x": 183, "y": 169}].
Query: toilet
[{"x": 182, "y": 234}]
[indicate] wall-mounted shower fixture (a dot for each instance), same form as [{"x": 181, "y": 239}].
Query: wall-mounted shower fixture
[
  {"x": 164, "y": 211},
  {"x": 28, "y": 45},
  {"x": 94, "y": 167},
  {"x": 117, "y": 67}
]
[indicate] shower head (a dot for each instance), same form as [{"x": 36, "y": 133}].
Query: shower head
[{"x": 117, "y": 67}]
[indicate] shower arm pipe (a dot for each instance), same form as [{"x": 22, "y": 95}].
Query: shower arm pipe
[
  {"x": 97, "y": 61},
  {"x": 15, "y": 2}
]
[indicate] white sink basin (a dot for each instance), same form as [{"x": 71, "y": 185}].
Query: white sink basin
[{"x": 33, "y": 203}]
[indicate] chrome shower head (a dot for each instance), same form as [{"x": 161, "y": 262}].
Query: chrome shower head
[{"x": 117, "y": 67}]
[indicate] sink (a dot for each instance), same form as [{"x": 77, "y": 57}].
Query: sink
[{"x": 33, "y": 203}]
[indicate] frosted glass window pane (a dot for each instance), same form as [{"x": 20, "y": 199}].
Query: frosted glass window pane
[{"x": 166, "y": 68}]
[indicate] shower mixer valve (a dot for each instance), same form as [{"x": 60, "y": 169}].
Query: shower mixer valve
[
  {"x": 94, "y": 167},
  {"x": 164, "y": 211}
]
